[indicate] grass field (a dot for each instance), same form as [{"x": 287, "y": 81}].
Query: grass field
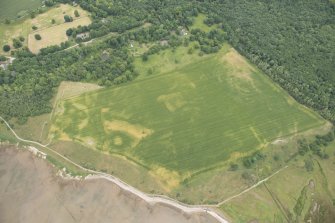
[
  {"x": 10, "y": 9},
  {"x": 42, "y": 22},
  {"x": 54, "y": 35},
  {"x": 37, "y": 127},
  {"x": 198, "y": 23},
  {"x": 278, "y": 199},
  {"x": 189, "y": 119}
]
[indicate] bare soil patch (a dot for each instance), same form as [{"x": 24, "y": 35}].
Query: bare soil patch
[
  {"x": 172, "y": 101},
  {"x": 241, "y": 67}
]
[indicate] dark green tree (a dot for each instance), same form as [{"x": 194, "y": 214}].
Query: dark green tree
[
  {"x": 37, "y": 36},
  {"x": 76, "y": 13},
  {"x": 68, "y": 18},
  {"x": 6, "y": 48}
]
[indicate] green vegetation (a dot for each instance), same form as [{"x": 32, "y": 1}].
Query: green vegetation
[
  {"x": 37, "y": 36},
  {"x": 199, "y": 23},
  {"x": 300, "y": 202},
  {"x": 220, "y": 105},
  {"x": 27, "y": 25},
  {"x": 17, "y": 43},
  {"x": 291, "y": 41},
  {"x": 56, "y": 35},
  {"x": 68, "y": 18},
  {"x": 293, "y": 195},
  {"x": 196, "y": 104},
  {"x": 6, "y": 48},
  {"x": 76, "y": 13},
  {"x": 11, "y": 9}
]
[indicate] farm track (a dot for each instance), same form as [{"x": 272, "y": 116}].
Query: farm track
[{"x": 149, "y": 198}]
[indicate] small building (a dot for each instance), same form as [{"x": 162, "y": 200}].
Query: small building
[
  {"x": 83, "y": 36},
  {"x": 4, "y": 64},
  {"x": 105, "y": 55},
  {"x": 183, "y": 32},
  {"x": 164, "y": 43}
]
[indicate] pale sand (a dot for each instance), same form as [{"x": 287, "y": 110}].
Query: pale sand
[{"x": 31, "y": 192}]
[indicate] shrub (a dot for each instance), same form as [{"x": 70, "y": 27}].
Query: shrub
[
  {"x": 49, "y": 3},
  {"x": 2, "y": 58},
  {"x": 68, "y": 18},
  {"x": 21, "y": 38},
  {"x": 309, "y": 165},
  {"x": 249, "y": 161},
  {"x": 6, "y": 48},
  {"x": 76, "y": 13},
  {"x": 145, "y": 57},
  {"x": 53, "y": 21},
  {"x": 325, "y": 156},
  {"x": 276, "y": 157},
  {"x": 69, "y": 32},
  {"x": 34, "y": 27},
  {"x": 233, "y": 167},
  {"x": 17, "y": 43},
  {"x": 38, "y": 37}
]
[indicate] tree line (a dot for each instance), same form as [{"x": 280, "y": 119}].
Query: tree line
[{"x": 291, "y": 41}]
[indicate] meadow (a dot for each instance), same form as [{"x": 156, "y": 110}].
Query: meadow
[
  {"x": 51, "y": 33},
  {"x": 10, "y": 9},
  {"x": 54, "y": 35},
  {"x": 290, "y": 196},
  {"x": 198, "y": 23},
  {"x": 189, "y": 119}
]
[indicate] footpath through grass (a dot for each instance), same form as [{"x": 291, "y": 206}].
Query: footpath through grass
[{"x": 192, "y": 118}]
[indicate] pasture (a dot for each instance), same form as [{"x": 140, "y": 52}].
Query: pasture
[
  {"x": 186, "y": 120},
  {"x": 10, "y": 9},
  {"x": 199, "y": 23},
  {"x": 279, "y": 198},
  {"x": 42, "y": 22},
  {"x": 54, "y": 35}
]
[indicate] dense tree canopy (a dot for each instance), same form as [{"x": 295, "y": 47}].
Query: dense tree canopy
[{"x": 291, "y": 41}]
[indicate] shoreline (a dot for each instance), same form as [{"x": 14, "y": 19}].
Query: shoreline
[{"x": 195, "y": 214}]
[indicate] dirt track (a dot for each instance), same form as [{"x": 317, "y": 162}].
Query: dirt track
[{"x": 31, "y": 192}]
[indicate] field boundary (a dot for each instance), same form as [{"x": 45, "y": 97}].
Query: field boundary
[
  {"x": 150, "y": 198},
  {"x": 75, "y": 19}
]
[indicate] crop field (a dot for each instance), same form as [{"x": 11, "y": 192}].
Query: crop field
[
  {"x": 12, "y": 8},
  {"x": 42, "y": 21},
  {"x": 54, "y": 35},
  {"x": 190, "y": 119}
]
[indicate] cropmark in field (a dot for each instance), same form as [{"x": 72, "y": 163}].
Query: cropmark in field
[{"x": 188, "y": 120}]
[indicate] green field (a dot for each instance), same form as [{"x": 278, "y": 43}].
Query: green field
[
  {"x": 194, "y": 117},
  {"x": 277, "y": 200},
  {"x": 10, "y": 9},
  {"x": 53, "y": 33},
  {"x": 198, "y": 23}
]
